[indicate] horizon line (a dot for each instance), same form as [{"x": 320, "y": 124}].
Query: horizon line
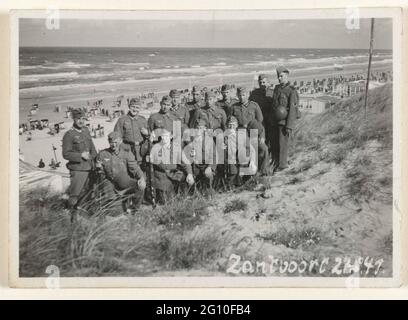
[{"x": 185, "y": 47}]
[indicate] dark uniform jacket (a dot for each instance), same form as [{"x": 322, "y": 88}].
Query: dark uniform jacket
[
  {"x": 284, "y": 95},
  {"x": 226, "y": 105},
  {"x": 121, "y": 167},
  {"x": 214, "y": 117},
  {"x": 74, "y": 143},
  {"x": 195, "y": 154},
  {"x": 166, "y": 173},
  {"x": 264, "y": 99},
  {"x": 181, "y": 113},
  {"x": 246, "y": 112},
  {"x": 161, "y": 120},
  {"x": 129, "y": 128}
]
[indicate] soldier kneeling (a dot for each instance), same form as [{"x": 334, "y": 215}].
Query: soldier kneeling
[
  {"x": 240, "y": 155},
  {"x": 125, "y": 182},
  {"x": 169, "y": 173},
  {"x": 200, "y": 154}
]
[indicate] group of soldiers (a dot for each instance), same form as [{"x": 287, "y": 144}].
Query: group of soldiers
[{"x": 133, "y": 164}]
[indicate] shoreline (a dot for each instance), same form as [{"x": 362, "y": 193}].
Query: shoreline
[{"x": 78, "y": 97}]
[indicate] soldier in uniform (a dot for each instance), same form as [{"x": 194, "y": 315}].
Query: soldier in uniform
[
  {"x": 123, "y": 175},
  {"x": 227, "y": 101},
  {"x": 263, "y": 97},
  {"x": 79, "y": 150},
  {"x": 132, "y": 128},
  {"x": 236, "y": 151},
  {"x": 245, "y": 110},
  {"x": 214, "y": 116},
  {"x": 178, "y": 110},
  {"x": 284, "y": 95},
  {"x": 169, "y": 173},
  {"x": 200, "y": 154},
  {"x": 163, "y": 118},
  {"x": 197, "y": 102}
]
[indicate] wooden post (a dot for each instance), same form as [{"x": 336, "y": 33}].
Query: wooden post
[{"x": 369, "y": 65}]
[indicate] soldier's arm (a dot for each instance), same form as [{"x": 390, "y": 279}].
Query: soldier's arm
[
  {"x": 258, "y": 113},
  {"x": 150, "y": 123},
  {"x": 194, "y": 118},
  {"x": 290, "y": 120},
  {"x": 186, "y": 116},
  {"x": 67, "y": 152},
  {"x": 223, "y": 119}
]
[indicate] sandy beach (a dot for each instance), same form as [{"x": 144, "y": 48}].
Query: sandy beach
[{"x": 41, "y": 144}]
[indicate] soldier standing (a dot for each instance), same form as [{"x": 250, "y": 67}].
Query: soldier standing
[
  {"x": 163, "y": 118},
  {"x": 214, "y": 116},
  {"x": 132, "y": 128},
  {"x": 178, "y": 110},
  {"x": 245, "y": 110},
  {"x": 282, "y": 119},
  {"x": 263, "y": 97},
  {"x": 227, "y": 101},
  {"x": 123, "y": 175},
  {"x": 197, "y": 102},
  {"x": 79, "y": 150}
]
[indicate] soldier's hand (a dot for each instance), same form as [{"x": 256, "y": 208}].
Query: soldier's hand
[
  {"x": 85, "y": 155},
  {"x": 262, "y": 140},
  {"x": 287, "y": 131},
  {"x": 141, "y": 183},
  {"x": 144, "y": 131},
  {"x": 208, "y": 173},
  {"x": 190, "y": 179}
]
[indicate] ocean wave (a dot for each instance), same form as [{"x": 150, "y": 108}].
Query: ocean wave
[
  {"x": 48, "y": 76},
  {"x": 56, "y": 66},
  {"x": 131, "y": 64}
]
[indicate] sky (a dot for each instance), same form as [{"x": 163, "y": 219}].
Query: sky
[{"x": 206, "y": 33}]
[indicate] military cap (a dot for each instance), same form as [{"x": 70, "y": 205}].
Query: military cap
[
  {"x": 165, "y": 99},
  {"x": 226, "y": 87},
  {"x": 232, "y": 119},
  {"x": 196, "y": 88},
  {"x": 210, "y": 94},
  {"x": 262, "y": 76},
  {"x": 242, "y": 89},
  {"x": 134, "y": 102},
  {"x": 281, "y": 69},
  {"x": 77, "y": 113},
  {"x": 114, "y": 136},
  {"x": 174, "y": 93}
]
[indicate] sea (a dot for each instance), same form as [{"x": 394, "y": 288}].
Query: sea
[{"x": 66, "y": 67}]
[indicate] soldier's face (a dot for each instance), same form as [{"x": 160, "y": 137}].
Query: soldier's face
[
  {"x": 165, "y": 106},
  {"x": 263, "y": 83},
  {"x": 232, "y": 126},
  {"x": 211, "y": 101},
  {"x": 134, "y": 110},
  {"x": 79, "y": 122},
  {"x": 243, "y": 96},
  {"x": 283, "y": 77},
  {"x": 114, "y": 144},
  {"x": 166, "y": 138},
  {"x": 196, "y": 96},
  {"x": 176, "y": 100},
  {"x": 226, "y": 94}
]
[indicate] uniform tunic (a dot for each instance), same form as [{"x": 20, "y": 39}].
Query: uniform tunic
[
  {"x": 122, "y": 173},
  {"x": 246, "y": 112},
  {"x": 214, "y": 117},
  {"x": 129, "y": 129},
  {"x": 226, "y": 105},
  {"x": 283, "y": 95},
  {"x": 74, "y": 143},
  {"x": 160, "y": 120}
]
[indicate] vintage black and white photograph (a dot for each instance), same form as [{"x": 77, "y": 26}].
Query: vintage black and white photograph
[{"x": 213, "y": 148}]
